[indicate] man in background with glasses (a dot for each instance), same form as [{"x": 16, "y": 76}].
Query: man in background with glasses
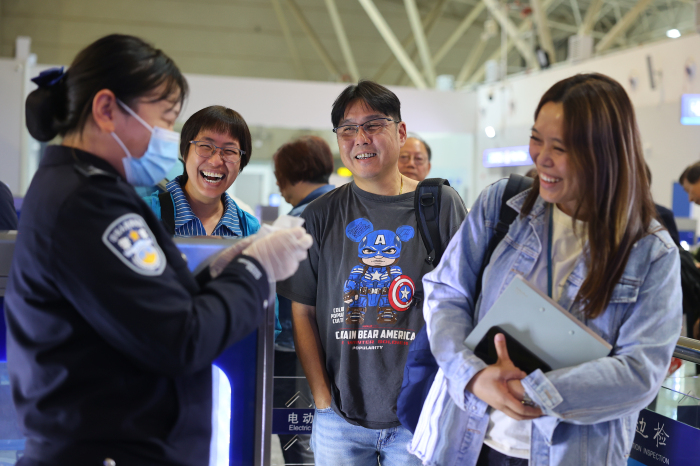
[
  {"x": 414, "y": 159},
  {"x": 357, "y": 301}
]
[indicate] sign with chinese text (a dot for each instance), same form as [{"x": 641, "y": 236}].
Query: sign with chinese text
[
  {"x": 292, "y": 420},
  {"x": 663, "y": 441}
]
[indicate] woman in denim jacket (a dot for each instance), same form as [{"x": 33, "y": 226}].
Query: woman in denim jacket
[{"x": 613, "y": 267}]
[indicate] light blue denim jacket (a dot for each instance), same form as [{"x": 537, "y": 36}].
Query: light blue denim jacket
[{"x": 590, "y": 410}]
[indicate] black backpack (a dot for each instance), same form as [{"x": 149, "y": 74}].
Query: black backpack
[
  {"x": 421, "y": 367},
  {"x": 167, "y": 211}
]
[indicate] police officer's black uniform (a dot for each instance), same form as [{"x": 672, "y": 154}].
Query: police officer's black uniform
[
  {"x": 109, "y": 358},
  {"x": 8, "y": 214}
]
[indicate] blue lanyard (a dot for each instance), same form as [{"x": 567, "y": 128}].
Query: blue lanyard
[{"x": 550, "y": 240}]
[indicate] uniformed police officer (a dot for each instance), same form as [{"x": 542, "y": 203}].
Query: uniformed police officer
[{"x": 111, "y": 339}]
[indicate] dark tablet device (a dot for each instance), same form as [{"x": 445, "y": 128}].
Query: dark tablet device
[{"x": 523, "y": 358}]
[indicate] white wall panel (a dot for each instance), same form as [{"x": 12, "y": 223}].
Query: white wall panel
[
  {"x": 303, "y": 104},
  {"x": 11, "y": 103},
  {"x": 669, "y": 147}
]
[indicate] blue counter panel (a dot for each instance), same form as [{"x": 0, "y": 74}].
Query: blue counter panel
[{"x": 239, "y": 363}]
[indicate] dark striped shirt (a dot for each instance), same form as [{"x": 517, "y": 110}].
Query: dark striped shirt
[{"x": 187, "y": 223}]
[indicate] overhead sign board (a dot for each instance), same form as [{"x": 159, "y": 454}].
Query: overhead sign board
[{"x": 507, "y": 157}]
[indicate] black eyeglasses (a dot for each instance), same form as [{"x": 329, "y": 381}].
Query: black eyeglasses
[
  {"x": 228, "y": 154},
  {"x": 370, "y": 128}
]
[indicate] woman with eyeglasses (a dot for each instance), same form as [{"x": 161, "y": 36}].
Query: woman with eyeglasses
[
  {"x": 110, "y": 338},
  {"x": 215, "y": 146}
]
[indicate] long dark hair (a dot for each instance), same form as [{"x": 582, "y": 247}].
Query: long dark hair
[
  {"x": 126, "y": 65},
  {"x": 602, "y": 139}
]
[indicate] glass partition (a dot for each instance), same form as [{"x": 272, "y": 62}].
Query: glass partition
[
  {"x": 679, "y": 397},
  {"x": 292, "y": 412}
]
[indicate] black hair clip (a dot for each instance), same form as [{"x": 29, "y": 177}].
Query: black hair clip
[{"x": 49, "y": 78}]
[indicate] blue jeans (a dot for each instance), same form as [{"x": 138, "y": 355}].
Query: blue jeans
[{"x": 336, "y": 442}]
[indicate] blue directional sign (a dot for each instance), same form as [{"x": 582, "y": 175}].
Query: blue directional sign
[
  {"x": 292, "y": 420},
  {"x": 663, "y": 441}
]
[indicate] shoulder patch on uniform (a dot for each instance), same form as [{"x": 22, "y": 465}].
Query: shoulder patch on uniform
[{"x": 130, "y": 239}]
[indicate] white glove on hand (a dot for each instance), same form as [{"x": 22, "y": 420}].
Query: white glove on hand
[
  {"x": 280, "y": 252},
  {"x": 219, "y": 263}
]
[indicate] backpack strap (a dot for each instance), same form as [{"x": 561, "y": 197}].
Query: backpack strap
[
  {"x": 506, "y": 216},
  {"x": 421, "y": 367},
  {"x": 167, "y": 211},
  {"x": 427, "y": 206}
]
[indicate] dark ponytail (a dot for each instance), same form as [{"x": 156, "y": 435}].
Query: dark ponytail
[
  {"x": 126, "y": 65},
  {"x": 43, "y": 107}
]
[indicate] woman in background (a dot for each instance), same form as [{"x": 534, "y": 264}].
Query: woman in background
[{"x": 586, "y": 235}]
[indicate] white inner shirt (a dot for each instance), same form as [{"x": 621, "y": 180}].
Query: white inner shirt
[{"x": 504, "y": 434}]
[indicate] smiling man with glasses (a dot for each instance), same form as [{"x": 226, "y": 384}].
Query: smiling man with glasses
[
  {"x": 414, "y": 158},
  {"x": 357, "y": 301}
]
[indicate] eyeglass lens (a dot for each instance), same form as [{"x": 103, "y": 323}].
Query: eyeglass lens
[
  {"x": 370, "y": 127},
  {"x": 208, "y": 150},
  {"x": 416, "y": 160}
]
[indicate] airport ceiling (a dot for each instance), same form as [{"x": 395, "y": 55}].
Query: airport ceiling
[{"x": 341, "y": 40}]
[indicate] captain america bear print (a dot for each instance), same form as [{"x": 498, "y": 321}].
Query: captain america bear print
[{"x": 377, "y": 281}]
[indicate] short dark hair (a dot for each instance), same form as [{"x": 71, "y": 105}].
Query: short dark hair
[
  {"x": 691, "y": 173},
  {"x": 425, "y": 144},
  {"x": 308, "y": 158},
  {"x": 126, "y": 65},
  {"x": 376, "y": 96},
  {"x": 220, "y": 120}
]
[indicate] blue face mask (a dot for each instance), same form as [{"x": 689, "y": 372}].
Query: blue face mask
[{"x": 160, "y": 156}]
